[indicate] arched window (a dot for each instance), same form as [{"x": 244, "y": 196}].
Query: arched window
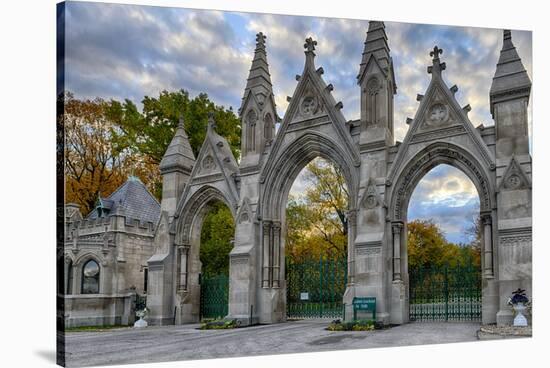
[
  {"x": 251, "y": 119},
  {"x": 90, "y": 277}
]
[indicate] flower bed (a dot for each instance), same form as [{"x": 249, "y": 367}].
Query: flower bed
[
  {"x": 222, "y": 324},
  {"x": 359, "y": 325}
]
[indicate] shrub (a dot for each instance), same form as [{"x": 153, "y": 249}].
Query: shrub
[
  {"x": 221, "y": 324},
  {"x": 359, "y": 325}
]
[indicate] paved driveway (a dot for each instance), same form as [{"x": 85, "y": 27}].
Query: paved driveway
[{"x": 155, "y": 344}]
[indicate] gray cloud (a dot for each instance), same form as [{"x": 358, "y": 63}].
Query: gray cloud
[
  {"x": 447, "y": 196},
  {"x": 125, "y": 51}
]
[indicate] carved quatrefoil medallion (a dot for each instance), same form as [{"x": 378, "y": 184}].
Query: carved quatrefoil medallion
[
  {"x": 437, "y": 115},
  {"x": 208, "y": 163},
  {"x": 513, "y": 182},
  {"x": 309, "y": 106}
]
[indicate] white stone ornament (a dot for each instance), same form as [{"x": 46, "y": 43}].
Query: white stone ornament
[
  {"x": 520, "y": 320},
  {"x": 140, "y": 323}
]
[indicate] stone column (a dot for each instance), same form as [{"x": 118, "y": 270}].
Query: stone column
[
  {"x": 276, "y": 253},
  {"x": 184, "y": 252},
  {"x": 74, "y": 235},
  {"x": 266, "y": 253},
  {"x": 486, "y": 221},
  {"x": 352, "y": 224},
  {"x": 396, "y": 230}
]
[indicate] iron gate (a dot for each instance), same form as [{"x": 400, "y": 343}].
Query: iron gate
[
  {"x": 214, "y": 296},
  {"x": 315, "y": 288},
  {"x": 445, "y": 293}
]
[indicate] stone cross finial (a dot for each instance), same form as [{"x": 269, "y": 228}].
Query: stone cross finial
[
  {"x": 310, "y": 44},
  {"x": 436, "y": 52},
  {"x": 211, "y": 121},
  {"x": 260, "y": 39}
]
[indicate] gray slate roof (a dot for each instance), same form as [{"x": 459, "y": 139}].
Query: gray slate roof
[{"x": 133, "y": 200}]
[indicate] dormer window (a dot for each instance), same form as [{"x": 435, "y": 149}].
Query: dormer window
[{"x": 103, "y": 207}]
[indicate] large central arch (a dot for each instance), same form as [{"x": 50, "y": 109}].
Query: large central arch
[
  {"x": 277, "y": 179},
  {"x": 275, "y": 184}
]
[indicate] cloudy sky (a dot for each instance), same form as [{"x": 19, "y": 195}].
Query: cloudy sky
[{"x": 126, "y": 51}]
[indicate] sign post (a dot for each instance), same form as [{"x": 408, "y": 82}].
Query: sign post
[{"x": 367, "y": 304}]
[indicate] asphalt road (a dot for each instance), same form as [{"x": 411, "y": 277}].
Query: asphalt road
[{"x": 169, "y": 343}]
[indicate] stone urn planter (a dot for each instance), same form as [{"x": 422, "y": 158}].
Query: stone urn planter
[
  {"x": 140, "y": 323},
  {"x": 519, "y": 303},
  {"x": 520, "y": 319}
]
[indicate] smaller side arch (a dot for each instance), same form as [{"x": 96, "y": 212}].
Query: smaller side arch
[
  {"x": 193, "y": 206},
  {"x": 408, "y": 177},
  {"x": 439, "y": 153},
  {"x": 187, "y": 266}
]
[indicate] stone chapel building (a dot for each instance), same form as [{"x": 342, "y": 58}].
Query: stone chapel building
[
  {"x": 106, "y": 256},
  {"x": 381, "y": 174}
]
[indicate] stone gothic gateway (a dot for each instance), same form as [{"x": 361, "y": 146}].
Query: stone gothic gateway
[{"x": 380, "y": 173}]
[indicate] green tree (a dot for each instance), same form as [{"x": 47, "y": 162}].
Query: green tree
[
  {"x": 427, "y": 246},
  {"x": 316, "y": 220},
  {"x": 92, "y": 165},
  {"x": 217, "y": 232},
  {"x": 149, "y": 133}
]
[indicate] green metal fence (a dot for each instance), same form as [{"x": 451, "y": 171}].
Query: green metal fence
[
  {"x": 445, "y": 294},
  {"x": 214, "y": 296},
  {"x": 315, "y": 288}
]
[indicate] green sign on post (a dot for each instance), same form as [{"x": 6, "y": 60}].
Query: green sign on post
[{"x": 367, "y": 304}]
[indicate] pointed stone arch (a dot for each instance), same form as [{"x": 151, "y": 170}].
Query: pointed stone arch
[
  {"x": 193, "y": 208},
  {"x": 428, "y": 158},
  {"x": 278, "y": 176},
  {"x": 408, "y": 177}
]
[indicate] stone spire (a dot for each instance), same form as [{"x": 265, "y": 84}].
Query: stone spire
[
  {"x": 509, "y": 99},
  {"x": 510, "y": 76},
  {"x": 376, "y": 79},
  {"x": 259, "y": 79},
  {"x": 257, "y": 112},
  {"x": 175, "y": 168},
  {"x": 376, "y": 44},
  {"x": 179, "y": 155}
]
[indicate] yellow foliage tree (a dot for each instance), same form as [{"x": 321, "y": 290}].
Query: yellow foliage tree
[
  {"x": 316, "y": 220},
  {"x": 93, "y": 166}
]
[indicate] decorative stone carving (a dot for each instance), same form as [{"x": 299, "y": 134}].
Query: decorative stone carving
[
  {"x": 371, "y": 198},
  {"x": 367, "y": 251},
  {"x": 438, "y": 114},
  {"x": 251, "y": 117},
  {"x": 514, "y": 177},
  {"x": 309, "y": 106},
  {"x": 373, "y": 86},
  {"x": 515, "y": 240},
  {"x": 208, "y": 163},
  {"x": 261, "y": 98},
  {"x": 245, "y": 213},
  {"x": 241, "y": 260}
]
